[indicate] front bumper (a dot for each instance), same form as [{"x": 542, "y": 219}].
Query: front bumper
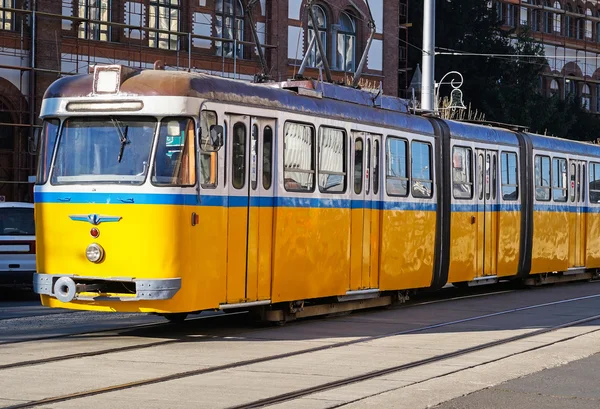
[
  {"x": 72, "y": 287},
  {"x": 16, "y": 278}
]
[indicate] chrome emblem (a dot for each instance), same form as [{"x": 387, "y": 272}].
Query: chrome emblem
[{"x": 94, "y": 219}]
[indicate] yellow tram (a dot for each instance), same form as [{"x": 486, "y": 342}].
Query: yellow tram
[{"x": 171, "y": 192}]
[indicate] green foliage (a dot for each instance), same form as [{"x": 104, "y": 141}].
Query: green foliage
[{"x": 505, "y": 89}]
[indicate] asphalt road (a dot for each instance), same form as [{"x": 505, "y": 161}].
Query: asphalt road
[{"x": 571, "y": 386}]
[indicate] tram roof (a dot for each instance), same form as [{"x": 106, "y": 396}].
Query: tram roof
[
  {"x": 479, "y": 133},
  {"x": 564, "y": 145},
  {"x": 197, "y": 85}
]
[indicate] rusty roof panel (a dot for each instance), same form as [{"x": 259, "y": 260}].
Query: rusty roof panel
[{"x": 178, "y": 83}]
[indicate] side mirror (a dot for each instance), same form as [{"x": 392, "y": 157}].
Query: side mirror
[
  {"x": 214, "y": 140},
  {"x": 34, "y": 141}
]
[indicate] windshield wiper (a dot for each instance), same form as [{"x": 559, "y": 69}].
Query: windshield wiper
[{"x": 122, "y": 137}]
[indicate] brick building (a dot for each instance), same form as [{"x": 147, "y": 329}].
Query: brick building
[
  {"x": 570, "y": 33},
  {"x": 213, "y": 36}
]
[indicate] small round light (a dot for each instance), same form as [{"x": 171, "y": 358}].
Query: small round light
[
  {"x": 94, "y": 232},
  {"x": 94, "y": 253}
]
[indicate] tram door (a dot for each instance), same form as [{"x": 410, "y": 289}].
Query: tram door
[
  {"x": 365, "y": 214},
  {"x": 487, "y": 212},
  {"x": 577, "y": 216},
  {"x": 250, "y": 209}
]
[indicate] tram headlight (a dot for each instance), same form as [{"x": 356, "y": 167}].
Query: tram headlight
[{"x": 94, "y": 253}]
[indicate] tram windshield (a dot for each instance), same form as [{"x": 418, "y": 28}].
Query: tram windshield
[{"x": 104, "y": 150}]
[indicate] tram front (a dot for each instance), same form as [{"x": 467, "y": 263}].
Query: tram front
[{"x": 116, "y": 186}]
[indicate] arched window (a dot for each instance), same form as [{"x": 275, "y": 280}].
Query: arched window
[
  {"x": 556, "y": 24},
  {"x": 229, "y": 23},
  {"x": 588, "y": 24},
  {"x": 586, "y": 97},
  {"x": 569, "y": 22},
  {"x": 548, "y": 18},
  {"x": 535, "y": 17},
  {"x": 570, "y": 87},
  {"x": 346, "y": 43},
  {"x": 553, "y": 88},
  {"x": 314, "y": 59},
  {"x": 580, "y": 24}
]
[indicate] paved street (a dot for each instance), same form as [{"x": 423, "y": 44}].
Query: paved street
[{"x": 494, "y": 349}]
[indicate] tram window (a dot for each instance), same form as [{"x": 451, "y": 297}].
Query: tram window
[
  {"x": 208, "y": 157},
  {"x": 582, "y": 183},
  {"x": 267, "y": 156},
  {"x": 368, "y": 167},
  {"x": 238, "y": 160},
  {"x": 225, "y": 154},
  {"x": 422, "y": 182},
  {"x": 375, "y": 167},
  {"x": 480, "y": 175},
  {"x": 175, "y": 159},
  {"x": 510, "y": 181},
  {"x": 559, "y": 179},
  {"x": 254, "y": 157},
  {"x": 298, "y": 157},
  {"x": 578, "y": 184},
  {"x": 488, "y": 166},
  {"x": 542, "y": 178},
  {"x": 462, "y": 173},
  {"x": 358, "y": 165},
  {"x": 332, "y": 160},
  {"x": 594, "y": 187},
  {"x": 396, "y": 164},
  {"x": 47, "y": 143},
  {"x": 104, "y": 149},
  {"x": 494, "y": 173},
  {"x": 572, "y": 184}
]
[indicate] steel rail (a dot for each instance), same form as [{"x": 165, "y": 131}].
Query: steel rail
[
  {"x": 286, "y": 397},
  {"x": 330, "y": 385}
]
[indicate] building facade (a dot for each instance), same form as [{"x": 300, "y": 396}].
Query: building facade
[
  {"x": 42, "y": 40},
  {"x": 570, "y": 33}
]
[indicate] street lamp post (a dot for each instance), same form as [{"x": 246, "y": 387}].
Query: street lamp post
[{"x": 428, "y": 83}]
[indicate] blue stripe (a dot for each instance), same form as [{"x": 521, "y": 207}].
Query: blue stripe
[
  {"x": 116, "y": 198},
  {"x": 497, "y": 207}
]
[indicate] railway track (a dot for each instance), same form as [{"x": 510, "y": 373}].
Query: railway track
[
  {"x": 222, "y": 320},
  {"x": 338, "y": 383}
]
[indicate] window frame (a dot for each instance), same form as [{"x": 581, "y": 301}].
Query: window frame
[
  {"x": 564, "y": 189},
  {"x": 270, "y": 157},
  {"x": 154, "y": 36},
  {"x": 194, "y": 128},
  {"x": 429, "y": 166},
  {"x": 8, "y": 17},
  {"x": 87, "y": 30},
  {"x": 245, "y": 145},
  {"x": 406, "y": 167},
  {"x": 592, "y": 168},
  {"x": 313, "y": 171},
  {"x": 471, "y": 183},
  {"x": 312, "y": 60},
  {"x": 510, "y": 185},
  {"x": 536, "y": 186},
  {"x": 45, "y": 157},
  {"x": 344, "y": 173},
  {"x": 207, "y": 153},
  {"x": 238, "y": 52}
]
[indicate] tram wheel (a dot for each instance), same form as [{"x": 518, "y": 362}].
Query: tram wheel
[{"x": 176, "y": 318}]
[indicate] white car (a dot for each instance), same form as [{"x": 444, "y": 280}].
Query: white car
[{"x": 17, "y": 244}]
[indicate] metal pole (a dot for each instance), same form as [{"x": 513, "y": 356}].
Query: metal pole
[
  {"x": 189, "y": 52},
  {"x": 306, "y": 55},
  {"x": 363, "y": 60},
  {"x": 428, "y": 83}
]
